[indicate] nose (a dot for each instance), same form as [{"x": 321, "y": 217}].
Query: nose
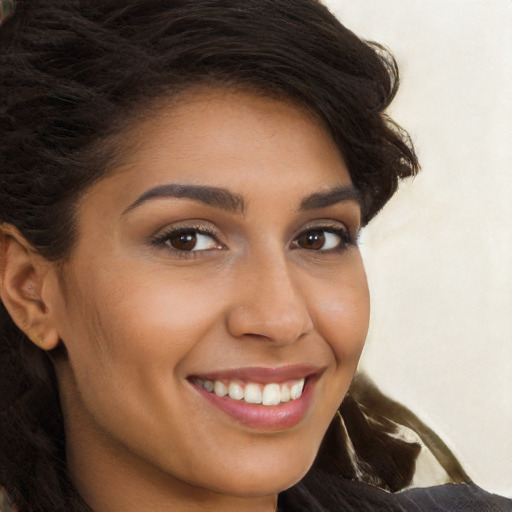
[{"x": 269, "y": 304}]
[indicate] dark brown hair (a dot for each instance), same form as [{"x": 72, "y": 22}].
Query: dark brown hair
[{"x": 74, "y": 74}]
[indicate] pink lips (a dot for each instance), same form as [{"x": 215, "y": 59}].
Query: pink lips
[{"x": 261, "y": 417}]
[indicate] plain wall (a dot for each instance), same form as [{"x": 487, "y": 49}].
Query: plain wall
[{"x": 439, "y": 256}]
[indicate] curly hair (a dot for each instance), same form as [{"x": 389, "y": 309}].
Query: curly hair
[{"x": 75, "y": 74}]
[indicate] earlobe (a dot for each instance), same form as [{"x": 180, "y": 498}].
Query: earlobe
[{"x": 22, "y": 277}]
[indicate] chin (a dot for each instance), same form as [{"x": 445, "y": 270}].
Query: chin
[
  {"x": 252, "y": 486},
  {"x": 269, "y": 476}
]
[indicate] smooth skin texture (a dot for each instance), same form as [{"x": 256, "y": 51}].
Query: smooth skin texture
[{"x": 272, "y": 282}]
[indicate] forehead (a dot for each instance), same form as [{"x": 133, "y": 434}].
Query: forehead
[
  {"x": 197, "y": 127},
  {"x": 238, "y": 140}
]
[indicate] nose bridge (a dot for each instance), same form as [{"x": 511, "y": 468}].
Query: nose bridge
[{"x": 269, "y": 303}]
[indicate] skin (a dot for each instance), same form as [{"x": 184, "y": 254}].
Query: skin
[{"x": 137, "y": 316}]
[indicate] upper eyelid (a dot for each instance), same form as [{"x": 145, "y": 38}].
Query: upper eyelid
[
  {"x": 205, "y": 229},
  {"x": 325, "y": 223},
  {"x": 328, "y": 224}
]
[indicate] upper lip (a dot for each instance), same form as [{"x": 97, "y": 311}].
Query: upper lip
[{"x": 263, "y": 375}]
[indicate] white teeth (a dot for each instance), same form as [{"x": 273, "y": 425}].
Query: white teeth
[
  {"x": 296, "y": 389},
  {"x": 285, "y": 393},
  {"x": 220, "y": 389},
  {"x": 236, "y": 391},
  {"x": 271, "y": 394},
  {"x": 252, "y": 394}
]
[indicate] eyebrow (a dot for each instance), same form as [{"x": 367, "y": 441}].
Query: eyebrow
[
  {"x": 330, "y": 197},
  {"x": 213, "y": 196},
  {"x": 226, "y": 200}
]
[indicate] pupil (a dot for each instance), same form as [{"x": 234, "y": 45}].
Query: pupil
[
  {"x": 313, "y": 240},
  {"x": 184, "y": 241}
]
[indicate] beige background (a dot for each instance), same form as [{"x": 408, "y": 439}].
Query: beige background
[{"x": 439, "y": 257}]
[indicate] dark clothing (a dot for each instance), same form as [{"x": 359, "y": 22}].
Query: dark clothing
[{"x": 324, "y": 493}]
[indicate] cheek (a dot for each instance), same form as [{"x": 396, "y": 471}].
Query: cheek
[
  {"x": 143, "y": 322},
  {"x": 129, "y": 341},
  {"x": 343, "y": 312}
]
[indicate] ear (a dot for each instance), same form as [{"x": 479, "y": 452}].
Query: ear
[{"x": 24, "y": 278}]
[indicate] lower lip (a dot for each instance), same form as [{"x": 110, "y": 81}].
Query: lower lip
[{"x": 270, "y": 418}]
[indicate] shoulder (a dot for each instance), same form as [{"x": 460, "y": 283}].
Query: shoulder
[
  {"x": 324, "y": 493},
  {"x": 455, "y": 498}
]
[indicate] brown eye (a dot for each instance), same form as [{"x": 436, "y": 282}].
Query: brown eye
[
  {"x": 188, "y": 240},
  {"x": 183, "y": 241},
  {"x": 323, "y": 239},
  {"x": 314, "y": 240}
]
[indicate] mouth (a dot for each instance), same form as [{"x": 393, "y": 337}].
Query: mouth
[
  {"x": 268, "y": 399},
  {"x": 252, "y": 392}
]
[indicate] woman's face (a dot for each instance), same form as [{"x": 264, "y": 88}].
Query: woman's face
[{"x": 220, "y": 257}]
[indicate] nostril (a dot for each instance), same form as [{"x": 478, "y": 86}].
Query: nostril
[{"x": 269, "y": 324}]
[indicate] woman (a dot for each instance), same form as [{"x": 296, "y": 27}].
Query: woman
[{"x": 184, "y": 303}]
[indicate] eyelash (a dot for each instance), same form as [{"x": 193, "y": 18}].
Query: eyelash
[
  {"x": 163, "y": 239},
  {"x": 345, "y": 236}
]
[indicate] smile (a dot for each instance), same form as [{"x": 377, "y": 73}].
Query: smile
[
  {"x": 263, "y": 399},
  {"x": 255, "y": 393}
]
